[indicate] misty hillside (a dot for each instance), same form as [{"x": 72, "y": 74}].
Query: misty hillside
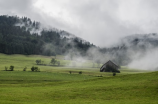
[
  {"x": 142, "y": 41},
  {"x": 24, "y": 36},
  {"x": 135, "y": 50}
]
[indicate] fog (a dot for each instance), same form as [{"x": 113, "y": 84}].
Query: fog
[
  {"x": 143, "y": 52},
  {"x": 147, "y": 62},
  {"x": 103, "y": 23},
  {"x": 137, "y": 51}
]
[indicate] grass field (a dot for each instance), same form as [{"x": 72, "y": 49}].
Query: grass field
[
  {"x": 54, "y": 85},
  {"x": 21, "y": 61}
]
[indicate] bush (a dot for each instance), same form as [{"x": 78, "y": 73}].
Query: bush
[
  {"x": 80, "y": 72},
  {"x": 70, "y": 72},
  {"x": 11, "y": 68},
  {"x": 114, "y": 74},
  {"x": 35, "y": 69},
  {"x": 25, "y": 69},
  {"x": 53, "y": 61},
  {"x": 38, "y": 62}
]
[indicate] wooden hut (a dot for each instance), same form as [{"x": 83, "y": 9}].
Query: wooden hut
[{"x": 110, "y": 67}]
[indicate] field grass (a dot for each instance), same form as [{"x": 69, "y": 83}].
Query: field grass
[
  {"x": 54, "y": 85},
  {"x": 41, "y": 88},
  {"x": 21, "y": 61}
]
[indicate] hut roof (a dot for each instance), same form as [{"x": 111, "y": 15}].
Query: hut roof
[
  {"x": 110, "y": 62},
  {"x": 112, "y": 68}
]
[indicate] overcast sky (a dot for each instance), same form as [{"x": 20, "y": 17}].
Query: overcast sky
[{"x": 102, "y": 22}]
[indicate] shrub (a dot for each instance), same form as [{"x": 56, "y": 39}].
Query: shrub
[
  {"x": 25, "y": 69},
  {"x": 70, "y": 72},
  {"x": 80, "y": 72},
  {"x": 100, "y": 76},
  {"x": 114, "y": 74},
  {"x": 35, "y": 69},
  {"x": 32, "y": 69},
  {"x": 53, "y": 61},
  {"x": 38, "y": 62},
  {"x": 11, "y": 68}
]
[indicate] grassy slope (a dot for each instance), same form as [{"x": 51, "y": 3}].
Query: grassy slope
[
  {"x": 62, "y": 88},
  {"x": 20, "y": 61}
]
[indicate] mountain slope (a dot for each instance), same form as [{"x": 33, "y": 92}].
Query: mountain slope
[
  {"x": 137, "y": 51},
  {"x": 23, "y": 36}
]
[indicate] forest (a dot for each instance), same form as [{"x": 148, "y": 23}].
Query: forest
[{"x": 24, "y": 36}]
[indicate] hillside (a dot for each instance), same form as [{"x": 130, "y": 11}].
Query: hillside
[
  {"x": 138, "y": 49},
  {"x": 24, "y": 36}
]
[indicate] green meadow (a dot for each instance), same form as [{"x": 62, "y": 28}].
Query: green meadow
[{"x": 55, "y": 85}]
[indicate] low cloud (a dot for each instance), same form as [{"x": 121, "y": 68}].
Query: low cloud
[
  {"x": 146, "y": 62},
  {"x": 101, "y": 22}
]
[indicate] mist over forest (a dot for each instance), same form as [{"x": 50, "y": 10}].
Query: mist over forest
[{"x": 24, "y": 36}]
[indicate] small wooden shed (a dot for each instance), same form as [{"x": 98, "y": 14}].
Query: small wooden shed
[{"x": 110, "y": 67}]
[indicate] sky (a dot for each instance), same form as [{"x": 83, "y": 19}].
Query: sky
[{"x": 101, "y": 22}]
